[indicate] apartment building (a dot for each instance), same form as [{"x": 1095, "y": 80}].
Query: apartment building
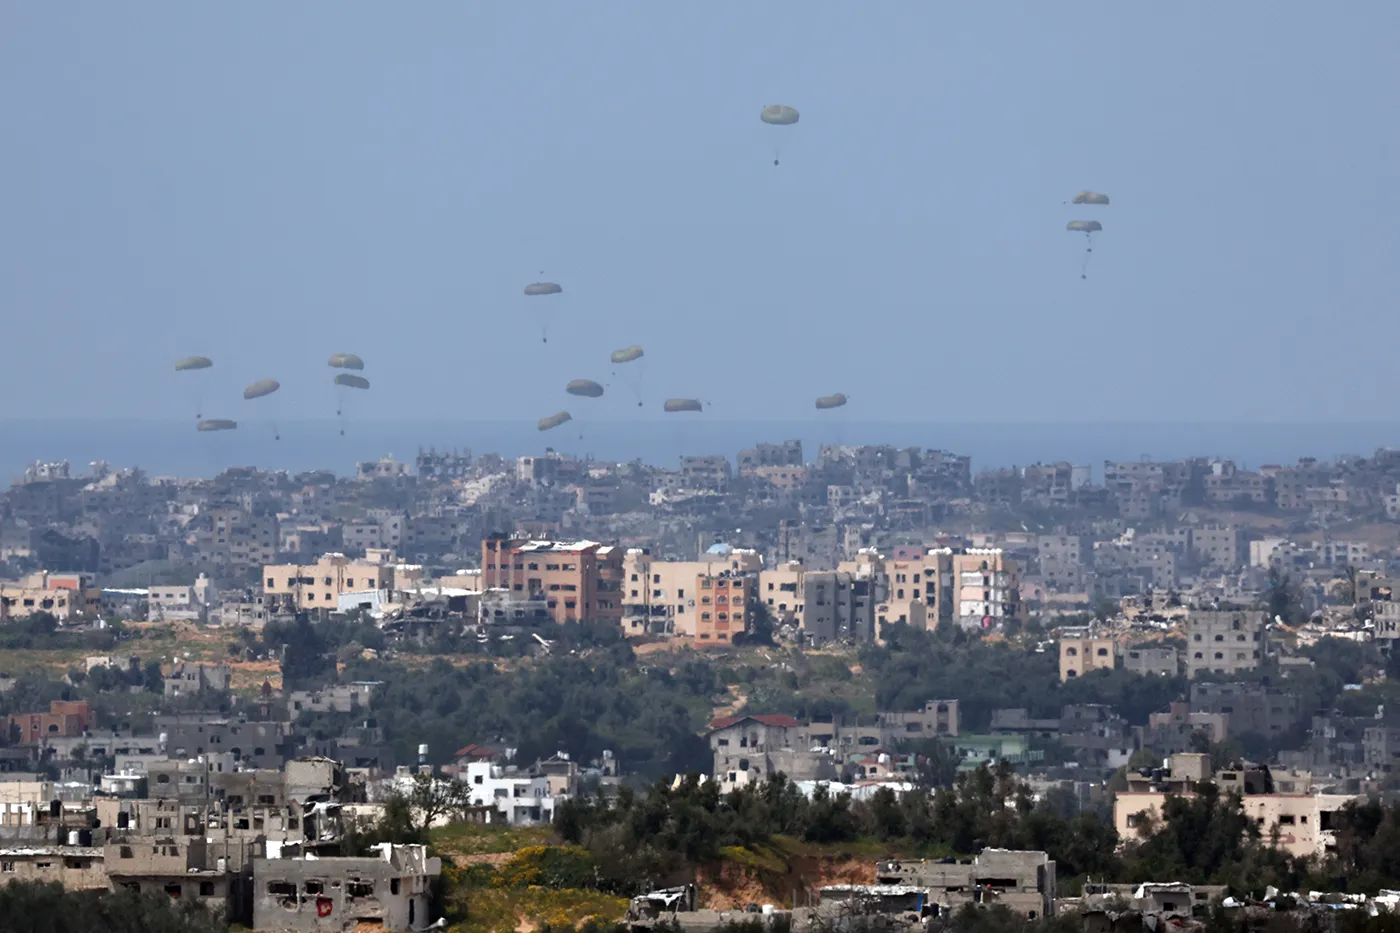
[
  {"x": 710, "y": 473},
  {"x": 917, "y": 587},
  {"x": 667, "y": 597},
  {"x": 580, "y": 580},
  {"x": 303, "y": 587},
  {"x": 987, "y": 587},
  {"x": 1224, "y": 641},
  {"x": 825, "y": 605},
  {"x": 1082, "y": 651}
]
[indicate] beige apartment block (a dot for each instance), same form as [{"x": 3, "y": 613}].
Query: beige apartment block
[{"x": 304, "y": 587}]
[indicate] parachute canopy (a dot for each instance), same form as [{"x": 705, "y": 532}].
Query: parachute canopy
[
  {"x": 627, "y": 354},
  {"x": 1083, "y": 226},
  {"x": 554, "y": 420},
  {"x": 543, "y": 288},
  {"x": 1090, "y": 197},
  {"x": 778, "y": 115},
  {"x": 345, "y": 361},
  {"x": 354, "y": 382},
  {"x": 217, "y": 424},
  {"x": 683, "y": 404},
  {"x": 193, "y": 362},
  {"x": 584, "y": 387},
  {"x": 261, "y": 387},
  {"x": 831, "y": 401}
]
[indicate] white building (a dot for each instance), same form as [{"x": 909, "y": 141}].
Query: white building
[{"x": 521, "y": 799}]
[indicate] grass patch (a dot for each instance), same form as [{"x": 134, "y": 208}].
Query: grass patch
[
  {"x": 760, "y": 858},
  {"x": 465, "y": 839},
  {"x": 506, "y": 910}
]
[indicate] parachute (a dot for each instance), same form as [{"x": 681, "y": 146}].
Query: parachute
[
  {"x": 554, "y": 420},
  {"x": 683, "y": 404},
  {"x": 1089, "y": 197},
  {"x": 194, "y": 364},
  {"x": 539, "y": 289},
  {"x": 217, "y": 424},
  {"x": 831, "y": 401},
  {"x": 347, "y": 381},
  {"x": 636, "y": 373},
  {"x": 345, "y": 361},
  {"x": 584, "y": 387},
  {"x": 1088, "y": 228},
  {"x": 778, "y": 115},
  {"x": 261, "y": 387}
]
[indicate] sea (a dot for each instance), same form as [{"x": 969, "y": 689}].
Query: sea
[{"x": 176, "y": 448}]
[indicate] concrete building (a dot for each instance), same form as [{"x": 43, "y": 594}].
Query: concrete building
[
  {"x": 387, "y": 891},
  {"x": 1224, "y": 641},
  {"x": 165, "y": 603},
  {"x": 577, "y": 581},
  {"x": 987, "y": 587},
  {"x": 76, "y": 867},
  {"x": 188, "y": 678},
  {"x": 181, "y": 867},
  {"x": 1300, "y": 819},
  {"x": 1251, "y": 708},
  {"x": 1081, "y": 651},
  {"x": 786, "y": 454},
  {"x": 711, "y": 473},
  {"x": 937, "y": 718},
  {"x": 682, "y": 597},
  {"x": 1219, "y": 546},
  {"x": 297, "y": 587},
  {"x": 1021, "y": 881},
  {"x": 64, "y": 718},
  {"x": 824, "y": 605},
  {"x": 334, "y": 698},
  {"x": 521, "y": 798},
  {"x": 1153, "y": 660},
  {"x": 748, "y": 749},
  {"x": 65, "y": 596}
]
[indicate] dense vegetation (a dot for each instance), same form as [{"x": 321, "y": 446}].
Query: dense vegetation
[
  {"x": 658, "y": 837},
  {"x": 36, "y": 907},
  {"x": 648, "y": 717}
]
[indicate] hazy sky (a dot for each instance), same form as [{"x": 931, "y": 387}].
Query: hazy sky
[{"x": 269, "y": 182}]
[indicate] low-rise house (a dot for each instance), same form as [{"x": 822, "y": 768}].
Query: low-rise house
[
  {"x": 1022, "y": 881},
  {"x": 337, "y": 698},
  {"x": 521, "y": 798},
  {"x": 188, "y": 678},
  {"x": 76, "y": 867},
  {"x": 387, "y": 891},
  {"x": 1299, "y": 819}
]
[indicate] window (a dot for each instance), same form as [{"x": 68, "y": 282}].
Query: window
[
  {"x": 7, "y": 867},
  {"x": 206, "y": 889}
]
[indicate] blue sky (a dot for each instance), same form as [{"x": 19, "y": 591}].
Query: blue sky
[{"x": 268, "y": 183}]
